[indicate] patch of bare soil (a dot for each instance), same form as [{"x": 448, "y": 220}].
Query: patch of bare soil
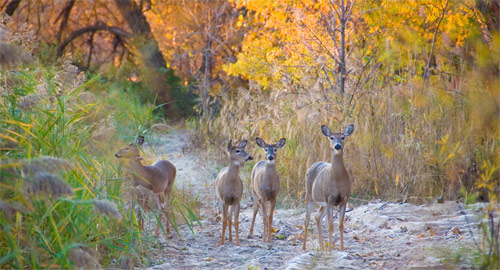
[{"x": 378, "y": 235}]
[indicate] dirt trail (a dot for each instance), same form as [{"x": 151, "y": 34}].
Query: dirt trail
[{"x": 379, "y": 235}]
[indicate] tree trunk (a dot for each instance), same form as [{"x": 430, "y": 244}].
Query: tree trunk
[
  {"x": 65, "y": 16},
  {"x": 148, "y": 47},
  {"x": 206, "y": 68},
  {"x": 12, "y": 6},
  {"x": 137, "y": 22},
  {"x": 491, "y": 12}
]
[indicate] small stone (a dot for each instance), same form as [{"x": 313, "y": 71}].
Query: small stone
[{"x": 456, "y": 231}]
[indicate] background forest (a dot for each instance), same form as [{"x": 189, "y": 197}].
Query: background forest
[{"x": 420, "y": 80}]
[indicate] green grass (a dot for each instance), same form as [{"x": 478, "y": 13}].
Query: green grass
[{"x": 40, "y": 227}]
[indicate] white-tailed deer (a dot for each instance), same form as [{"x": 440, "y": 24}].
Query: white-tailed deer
[
  {"x": 328, "y": 184},
  {"x": 265, "y": 186},
  {"x": 229, "y": 188},
  {"x": 159, "y": 178}
]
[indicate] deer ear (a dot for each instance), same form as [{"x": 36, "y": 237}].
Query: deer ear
[
  {"x": 243, "y": 144},
  {"x": 349, "y": 130},
  {"x": 140, "y": 140},
  {"x": 260, "y": 142},
  {"x": 230, "y": 145},
  {"x": 325, "y": 130},
  {"x": 281, "y": 143}
]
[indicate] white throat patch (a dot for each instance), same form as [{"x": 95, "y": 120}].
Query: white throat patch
[
  {"x": 337, "y": 152},
  {"x": 236, "y": 163},
  {"x": 271, "y": 162}
]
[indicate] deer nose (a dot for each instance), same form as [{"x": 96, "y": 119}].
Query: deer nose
[
  {"x": 270, "y": 157},
  {"x": 338, "y": 146},
  {"x": 249, "y": 158},
  {"x": 116, "y": 155}
]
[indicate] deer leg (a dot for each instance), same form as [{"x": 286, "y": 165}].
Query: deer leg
[
  {"x": 330, "y": 226},
  {"x": 224, "y": 222},
  {"x": 255, "y": 210},
  {"x": 157, "y": 229},
  {"x": 264, "y": 219},
  {"x": 163, "y": 211},
  {"x": 167, "y": 220},
  {"x": 237, "y": 223},
  {"x": 229, "y": 220},
  {"x": 140, "y": 216},
  {"x": 273, "y": 204},
  {"x": 341, "y": 224},
  {"x": 306, "y": 223},
  {"x": 318, "y": 217}
]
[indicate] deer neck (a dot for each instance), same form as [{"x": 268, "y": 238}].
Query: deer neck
[
  {"x": 337, "y": 169},
  {"x": 270, "y": 168},
  {"x": 135, "y": 164},
  {"x": 233, "y": 169}
]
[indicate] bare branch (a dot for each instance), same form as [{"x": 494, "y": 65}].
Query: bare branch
[
  {"x": 94, "y": 28},
  {"x": 65, "y": 14},
  {"x": 426, "y": 71}
]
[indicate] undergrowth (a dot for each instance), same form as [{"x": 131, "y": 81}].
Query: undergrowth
[{"x": 61, "y": 195}]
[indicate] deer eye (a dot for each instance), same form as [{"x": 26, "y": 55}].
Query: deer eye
[
  {"x": 343, "y": 137},
  {"x": 331, "y": 138},
  {"x": 237, "y": 151},
  {"x": 275, "y": 150}
]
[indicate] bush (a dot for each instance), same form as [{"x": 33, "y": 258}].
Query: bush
[{"x": 61, "y": 202}]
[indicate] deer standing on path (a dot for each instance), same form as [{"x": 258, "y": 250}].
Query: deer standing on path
[
  {"x": 328, "y": 184},
  {"x": 159, "y": 178},
  {"x": 265, "y": 186},
  {"x": 229, "y": 188}
]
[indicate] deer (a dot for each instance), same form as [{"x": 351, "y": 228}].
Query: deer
[
  {"x": 328, "y": 184},
  {"x": 159, "y": 177},
  {"x": 229, "y": 188},
  {"x": 265, "y": 186}
]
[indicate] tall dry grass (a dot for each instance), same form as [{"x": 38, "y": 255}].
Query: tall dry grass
[{"x": 412, "y": 141}]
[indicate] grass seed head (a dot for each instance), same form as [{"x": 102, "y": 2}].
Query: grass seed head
[
  {"x": 107, "y": 208},
  {"x": 83, "y": 259},
  {"x": 50, "y": 185},
  {"x": 11, "y": 55},
  {"x": 26, "y": 103},
  {"x": 144, "y": 197},
  {"x": 45, "y": 164},
  {"x": 86, "y": 98},
  {"x": 160, "y": 128},
  {"x": 10, "y": 209}
]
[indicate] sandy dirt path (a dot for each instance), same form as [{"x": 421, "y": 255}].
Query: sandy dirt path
[{"x": 378, "y": 235}]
